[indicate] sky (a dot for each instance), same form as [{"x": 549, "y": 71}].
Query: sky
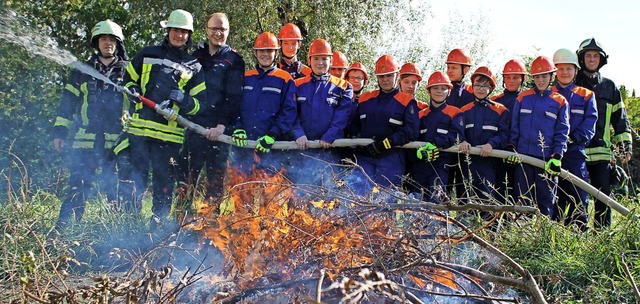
[{"x": 523, "y": 26}]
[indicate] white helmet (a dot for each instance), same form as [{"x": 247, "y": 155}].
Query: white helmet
[{"x": 179, "y": 19}]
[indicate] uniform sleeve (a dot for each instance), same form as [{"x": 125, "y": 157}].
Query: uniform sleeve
[
  {"x": 500, "y": 140},
  {"x": 340, "y": 118},
  {"x": 69, "y": 106},
  {"x": 620, "y": 122},
  {"x": 411, "y": 125},
  {"x": 583, "y": 133},
  {"x": 288, "y": 110},
  {"x": 195, "y": 94},
  {"x": 514, "y": 130},
  {"x": 233, "y": 92},
  {"x": 561, "y": 130}
]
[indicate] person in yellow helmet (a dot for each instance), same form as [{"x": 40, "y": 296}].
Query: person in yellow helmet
[
  {"x": 165, "y": 72},
  {"x": 94, "y": 108}
]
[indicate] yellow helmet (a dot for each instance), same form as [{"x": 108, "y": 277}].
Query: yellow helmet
[
  {"x": 106, "y": 27},
  {"x": 179, "y": 19}
]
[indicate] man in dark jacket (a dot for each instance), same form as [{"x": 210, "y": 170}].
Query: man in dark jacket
[
  {"x": 166, "y": 74},
  {"x": 94, "y": 108},
  {"x": 223, "y": 70}
]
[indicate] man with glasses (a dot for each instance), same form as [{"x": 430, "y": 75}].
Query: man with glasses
[{"x": 223, "y": 68}]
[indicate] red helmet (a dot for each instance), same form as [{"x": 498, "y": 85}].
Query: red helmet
[
  {"x": 459, "y": 56},
  {"x": 289, "y": 31},
  {"x": 386, "y": 64},
  {"x": 410, "y": 69},
  {"x": 339, "y": 60},
  {"x": 266, "y": 41},
  {"x": 439, "y": 78},
  {"x": 542, "y": 65},
  {"x": 483, "y": 70},
  {"x": 320, "y": 47},
  {"x": 360, "y": 67},
  {"x": 514, "y": 66}
]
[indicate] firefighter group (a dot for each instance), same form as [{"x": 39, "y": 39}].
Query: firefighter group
[{"x": 572, "y": 118}]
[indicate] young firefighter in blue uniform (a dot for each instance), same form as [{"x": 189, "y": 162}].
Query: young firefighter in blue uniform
[
  {"x": 290, "y": 39},
  {"x": 324, "y": 105},
  {"x": 165, "y": 72},
  {"x": 612, "y": 128},
  {"x": 96, "y": 108},
  {"x": 223, "y": 70},
  {"x": 441, "y": 126},
  {"x": 572, "y": 201},
  {"x": 458, "y": 65},
  {"x": 486, "y": 127},
  {"x": 539, "y": 128},
  {"x": 268, "y": 108},
  {"x": 390, "y": 118},
  {"x": 514, "y": 74}
]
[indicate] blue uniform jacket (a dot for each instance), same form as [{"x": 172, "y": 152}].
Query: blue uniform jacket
[
  {"x": 461, "y": 95},
  {"x": 442, "y": 126},
  {"x": 223, "y": 72},
  {"x": 507, "y": 99},
  {"x": 324, "y": 106},
  {"x": 392, "y": 115},
  {"x": 486, "y": 122},
  {"x": 540, "y": 124},
  {"x": 268, "y": 105},
  {"x": 582, "y": 114}
]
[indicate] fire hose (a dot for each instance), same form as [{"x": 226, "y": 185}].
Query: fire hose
[{"x": 171, "y": 115}]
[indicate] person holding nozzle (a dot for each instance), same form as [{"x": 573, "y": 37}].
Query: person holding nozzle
[
  {"x": 94, "y": 109},
  {"x": 168, "y": 75}
]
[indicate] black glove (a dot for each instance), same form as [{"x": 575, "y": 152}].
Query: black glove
[
  {"x": 136, "y": 92},
  {"x": 177, "y": 97},
  {"x": 378, "y": 146}
]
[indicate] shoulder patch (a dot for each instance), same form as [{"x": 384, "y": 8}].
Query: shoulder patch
[
  {"x": 251, "y": 73},
  {"x": 368, "y": 95},
  {"x": 403, "y": 98},
  {"x": 282, "y": 74},
  {"x": 558, "y": 98},
  {"x": 424, "y": 112},
  {"x": 467, "y": 106},
  {"x": 496, "y": 97},
  {"x": 451, "y": 111},
  {"x": 584, "y": 92},
  {"x": 497, "y": 107},
  {"x": 303, "y": 80},
  {"x": 339, "y": 82},
  {"x": 525, "y": 93},
  {"x": 468, "y": 87}
]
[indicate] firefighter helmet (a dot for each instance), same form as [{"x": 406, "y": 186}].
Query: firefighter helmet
[
  {"x": 542, "y": 65},
  {"x": 485, "y": 71},
  {"x": 439, "y": 78},
  {"x": 289, "y": 31},
  {"x": 591, "y": 44},
  {"x": 106, "y": 27},
  {"x": 340, "y": 60},
  {"x": 459, "y": 56},
  {"x": 514, "y": 66},
  {"x": 565, "y": 56},
  {"x": 410, "y": 69},
  {"x": 266, "y": 41},
  {"x": 320, "y": 47},
  {"x": 360, "y": 67},
  {"x": 179, "y": 19},
  {"x": 386, "y": 64}
]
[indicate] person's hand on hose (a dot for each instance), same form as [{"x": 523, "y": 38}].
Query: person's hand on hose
[
  {"x": 239, "y": 137},
  {"x": 378, "y": 146},
  {"x": 177, "y": 97},
  {"x": 265, "y": 143},
  {"x": 429, "y": 152},
  {"x": 553, "y": 165}
]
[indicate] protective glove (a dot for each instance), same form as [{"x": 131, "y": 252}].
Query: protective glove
[
  {"x": 265, "y": 143},
  {"x": 378, "y": 146},
  {"x": 553, "y": 165},
  {"x": 429, "y": 152},
  {"x": 177, "y": 97},
  {"x": 239, "y": 137},
  {"x": 514, "y": 159},
  {"x": 136, "y": 93}
]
